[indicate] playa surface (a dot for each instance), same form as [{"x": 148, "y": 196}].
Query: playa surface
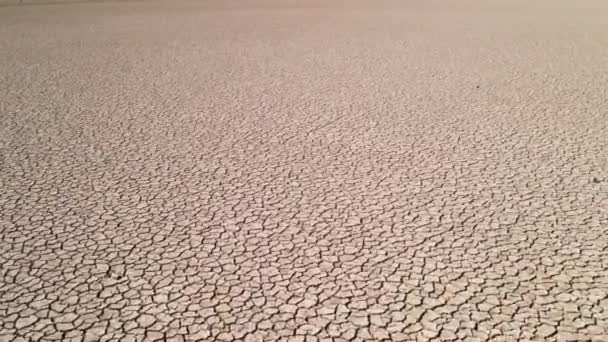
[{"x": 306, "y": 171}]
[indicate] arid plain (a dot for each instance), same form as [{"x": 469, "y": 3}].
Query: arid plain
[{"x": 304, "y": 171}]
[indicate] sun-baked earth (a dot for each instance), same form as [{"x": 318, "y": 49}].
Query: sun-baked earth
[{"x": 304, "y": 171}]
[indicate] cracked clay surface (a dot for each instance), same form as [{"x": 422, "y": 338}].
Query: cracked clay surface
[{"x": 304, "y": 171}]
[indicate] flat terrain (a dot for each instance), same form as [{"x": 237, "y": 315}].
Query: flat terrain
[{"x": 303, "y": 171}]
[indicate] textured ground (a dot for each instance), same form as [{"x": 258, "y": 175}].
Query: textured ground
[{"x": 304, "y": 171}]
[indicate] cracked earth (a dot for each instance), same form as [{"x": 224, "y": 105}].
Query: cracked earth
[{"x": 304, "y": 171}]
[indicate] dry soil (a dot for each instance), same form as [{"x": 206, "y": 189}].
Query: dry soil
[{"x": 304, "y": 171}]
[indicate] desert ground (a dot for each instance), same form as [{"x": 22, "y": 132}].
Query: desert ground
[{"x": 274, "y": 170}]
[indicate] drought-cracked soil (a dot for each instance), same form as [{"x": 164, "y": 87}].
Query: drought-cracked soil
[{"x": 304, "y": 171}]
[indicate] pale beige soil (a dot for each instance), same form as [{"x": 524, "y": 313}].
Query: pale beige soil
[{"x": 307, "y": 171}]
